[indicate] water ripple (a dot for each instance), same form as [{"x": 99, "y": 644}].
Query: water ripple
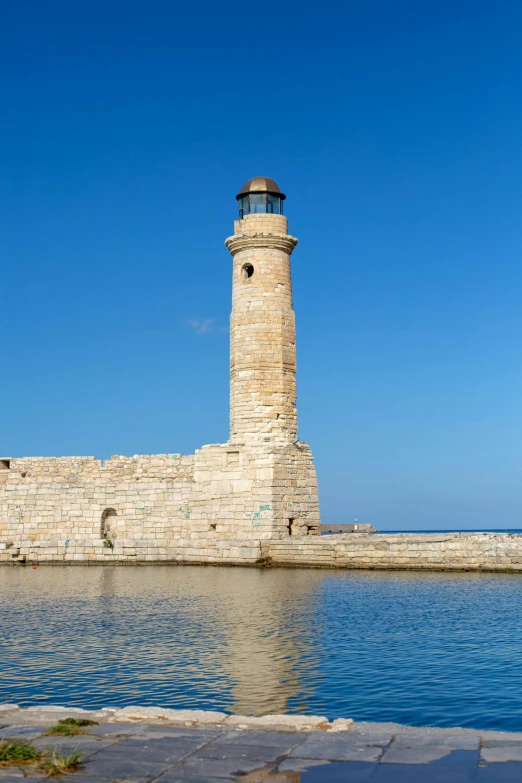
[{"x": 425, "y": 649}]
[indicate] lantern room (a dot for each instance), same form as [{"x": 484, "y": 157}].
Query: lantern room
[{"x": 260, "y": 195}]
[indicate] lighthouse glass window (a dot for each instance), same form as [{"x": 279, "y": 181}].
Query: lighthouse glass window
[
  {"x": 274, "y": 204},
  {"x": 243, "y": 207},
  {"x": 257, "y": 202},
  {"x": 260, "y": 203}
]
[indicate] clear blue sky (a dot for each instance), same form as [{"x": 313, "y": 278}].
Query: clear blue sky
[{"x": 395, "y": 128}]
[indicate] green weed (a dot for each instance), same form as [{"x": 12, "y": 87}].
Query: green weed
[
  {"x": 54, "y": 764},
  {"x": 18, "y": 751},
  {"x": 69, "y": 727}
]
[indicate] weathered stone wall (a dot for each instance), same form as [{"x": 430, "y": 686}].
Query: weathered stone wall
[
  {"x": 438, "y": 552},
  {"x": 47, "y": 500},
  {"x": 451, "y": 552},
  {"x": 158, "y": 507}
]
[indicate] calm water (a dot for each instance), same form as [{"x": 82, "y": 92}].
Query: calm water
[{"x": 425, "y": 649}]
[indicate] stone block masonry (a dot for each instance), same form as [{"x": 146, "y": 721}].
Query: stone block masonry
[
  {"x": 423, "y": 552},
  {"x": 213, "y": 506}
]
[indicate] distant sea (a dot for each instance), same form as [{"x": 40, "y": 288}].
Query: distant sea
[{"x": 517, "y": 530}]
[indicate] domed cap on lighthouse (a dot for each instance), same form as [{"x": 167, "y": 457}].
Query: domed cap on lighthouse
[
  {"x": 260, "y": 185},
  {"x": 260, "y": 195}
]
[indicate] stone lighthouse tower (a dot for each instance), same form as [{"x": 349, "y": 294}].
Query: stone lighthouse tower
[
  {"x": 262, "y": 325},
  {"x": 263, "y": 414}
]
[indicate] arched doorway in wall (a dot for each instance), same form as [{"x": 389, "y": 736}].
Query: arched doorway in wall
[{"x": 108, "y": 520}]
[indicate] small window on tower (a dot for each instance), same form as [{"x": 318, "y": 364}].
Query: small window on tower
[
  {"x": 5, "y": 464},
  {"x": 247, "y": 271}
]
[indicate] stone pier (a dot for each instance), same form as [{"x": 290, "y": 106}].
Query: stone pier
[{"x": 500, "y": 552}]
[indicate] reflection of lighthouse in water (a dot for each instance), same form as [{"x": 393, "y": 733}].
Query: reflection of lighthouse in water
[{"x": 269, "y": 648}]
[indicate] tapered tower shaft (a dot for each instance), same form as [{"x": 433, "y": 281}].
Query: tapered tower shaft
[{"x": 262, "y": 324}]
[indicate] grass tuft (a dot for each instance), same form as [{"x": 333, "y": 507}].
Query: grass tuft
[
  {"x": 69, "y": 727},
  {"x": 65, "y": 731},
  {"x": 18, "y": 751},
  {"x": 54, "y": 764}
]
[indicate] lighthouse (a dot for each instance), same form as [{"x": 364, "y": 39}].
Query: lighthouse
[
  {"x": 262, "y": 324},
  {"x": 263, "y": 413}
]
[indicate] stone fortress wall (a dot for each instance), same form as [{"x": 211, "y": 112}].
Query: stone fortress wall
[
  {"x": 214, "y": 504},
  {"x": 174, "y": 508}
]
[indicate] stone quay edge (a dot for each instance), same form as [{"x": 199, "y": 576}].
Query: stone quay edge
[
  {"x": 227, "y": 745},
  {"x": 489, "y": 552}
]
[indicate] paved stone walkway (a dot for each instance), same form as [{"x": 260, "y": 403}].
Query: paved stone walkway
[{"x": 142, "y": 752}]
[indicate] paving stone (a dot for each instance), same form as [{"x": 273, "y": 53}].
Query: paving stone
[
  {"x": 457, "y": 739},
  {"x": 375, "y": 733},
  {"x": 64, "y": 745},
  {"x": 120, "y": 769},
  {"x": 85, "y": 779},
  {"x": 501, "y": 744},
  {"x": 220, "y": 768},
  {"x": 259, "y": 753},
  {"x": 103, "y": 729},
  {"x": 179, "y": 732},
  {"x": 336, "y": 747},
  {"x": 276, "y": 739},
  {"x": 503, "y": 753},
  {"x": 371, "y": 736},
  {"x": 11, "y": 777},
  {"x": 423, "y": 746},
  {"x": 22, "y": 773},
  {"x": 169, "y": 750},
  {"x": 510, "y": 736},
  {"x": 414, "y": 754},
  {"x": 24, "y": 732},
  {"x": 23, "y": 719}
]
